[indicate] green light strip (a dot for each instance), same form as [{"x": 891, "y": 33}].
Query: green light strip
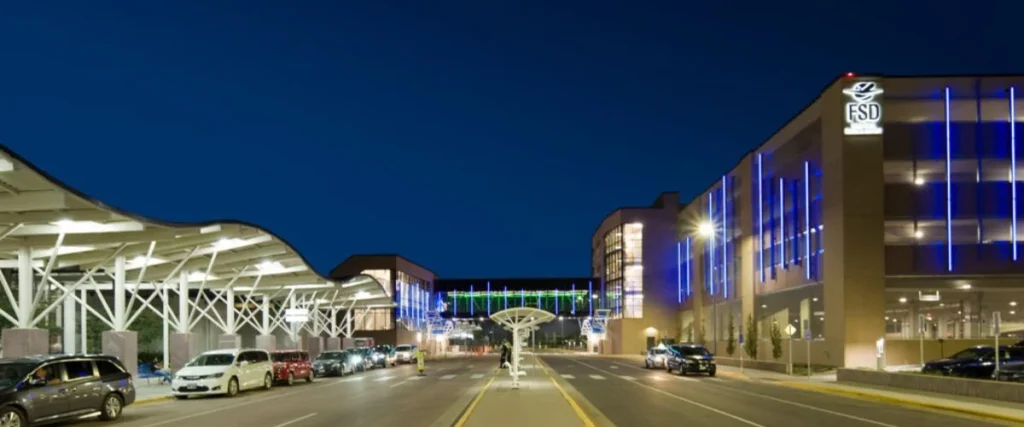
[{"x": 517, "y": 294}]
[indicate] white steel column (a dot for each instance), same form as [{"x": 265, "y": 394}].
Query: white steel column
[
  {"x": 165, "y": 314},
  {"x": 119, "y": 303},
  {"x": 25, "y": 288},
  {"x": 68, "y": 326},
  {"x": 230, "y": 303},
  {"x": 84, "y": 317},
  {"x": 266, "y": 316},
  {"x": 184, "y": 322}
]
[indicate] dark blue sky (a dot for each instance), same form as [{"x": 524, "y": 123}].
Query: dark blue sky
[{"x": 480, "y": 138}]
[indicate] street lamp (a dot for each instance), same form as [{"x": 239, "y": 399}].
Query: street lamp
[{"x": 706, "y": 231}]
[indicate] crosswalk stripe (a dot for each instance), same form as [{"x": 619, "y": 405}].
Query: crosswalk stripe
[
  {"x": 627, "y": 378},
  {"x": 597, "y": 377},
  {"x": 686, "y": 379},
  {"x": 448, "y": 377},
  {"x": 568, "y": 376},
  {"x": 615, "y": 367},
  {"x": 416, "y": 378},
  {"x": 384, "y": 378},
  {"x": 477, "y": 376},
  {"x": 353, "y": 379}
]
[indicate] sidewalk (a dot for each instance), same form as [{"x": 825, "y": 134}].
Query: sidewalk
[
  {"x": 539, "y": 401},
  {"x": 151, "y": 392}
]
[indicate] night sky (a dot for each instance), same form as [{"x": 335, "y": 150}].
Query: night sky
[{"x": 479, "y": 138}]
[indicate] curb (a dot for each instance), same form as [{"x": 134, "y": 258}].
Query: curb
[
  {"x": 734, "y": 375},
  {"x": 155, "y": 399},
  {"x": 894, "y": 400}
]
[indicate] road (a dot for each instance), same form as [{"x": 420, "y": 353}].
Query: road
[
  {"x": 629, "y": 395},
  {"x": 383, "y": 397}
]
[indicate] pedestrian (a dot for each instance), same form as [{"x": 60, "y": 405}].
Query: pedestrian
[
  {"x": 504, "y": 354},
  {"x": 159, "y": 371},
  {"x": 420, "y": 361}
]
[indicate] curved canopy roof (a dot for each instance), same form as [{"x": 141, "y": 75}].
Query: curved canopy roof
[{"x": 69, "y": 233}]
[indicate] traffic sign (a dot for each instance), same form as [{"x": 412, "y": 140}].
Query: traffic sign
[
  {"x": 807, "y": 334},
  {"x": 790, "y": 330}
]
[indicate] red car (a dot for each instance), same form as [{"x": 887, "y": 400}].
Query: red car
[{"x": 290, "y": 365}]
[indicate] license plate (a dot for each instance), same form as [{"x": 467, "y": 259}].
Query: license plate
[{"x": 191, "y": 386}]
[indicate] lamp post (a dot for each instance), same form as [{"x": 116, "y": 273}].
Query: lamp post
[{"x": 706, "y": 230}]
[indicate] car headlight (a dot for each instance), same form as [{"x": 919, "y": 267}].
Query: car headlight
[{"x": 335, "y": 364}]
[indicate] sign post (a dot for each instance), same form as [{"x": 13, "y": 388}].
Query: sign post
[
  {"x": 996, "y": 320},
  {"x": 807, "y": 337},
  {"x": 741, "y": 351},
  {"x": 790, "y": 330}
]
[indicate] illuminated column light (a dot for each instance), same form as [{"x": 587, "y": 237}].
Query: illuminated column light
[
  {"x": 807, "y": 220},
  {"x": 949, "y": 187},
  {"x": 488, "y": 298},
  {"x": 760, "y": 213},
  {"x": 573, "y": 297},
  {"x": 522, "y": 297},
  {"x": 782, "y": 221},
  {"x": 688, "y": 258},
  {"x": 455, "y": 303},
  {"x": 556, "y": 300},
  {"x": 471, "y": 296},
  {"x": 1013, "y": 169},
  {"x": 679, "y": 272},
  {"x": 711, "y": 247},
  {"x": 725, "y": 243},
  {"x": 506, "y": 297}
]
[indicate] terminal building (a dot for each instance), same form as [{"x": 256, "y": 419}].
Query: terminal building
[{"x": 916, "y": 179}]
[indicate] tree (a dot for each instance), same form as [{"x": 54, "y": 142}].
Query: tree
[
  {"x": 776, "y": 335},
  {"x": 731, "y": 344},
  {"x": 750, "y": 345}
]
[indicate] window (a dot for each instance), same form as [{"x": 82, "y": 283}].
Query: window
[
  {"x": 382, "y": 276},
  {"x": 78, "y": 369},
  {"x": 374, "y": 319},
  {"x": 107, "y": 368},
  {"x": 262, "y": 356}
]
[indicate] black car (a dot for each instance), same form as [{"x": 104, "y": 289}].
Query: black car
[
  {"x": 333, "y": 363},
  {"x": 53, "y": 388},
  {"x": 975, "y": 362},
  {"x": 691, "y": 358}
]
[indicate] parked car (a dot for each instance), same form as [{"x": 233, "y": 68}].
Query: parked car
[
  {"x": 656, "y": 357},
  {"x": 691, "y": 358},
  {"x": 366, "y": 356},
  {"x": 405, "y": 353},
  {"x": 224, "y": 372},
  {"x": 52, "y": 388},
  {"x": 974, "y": 362},
  {"x": 331, "y": 363},
  {"x": 292, "y": 364},
  {"x": 383, "y": 356},
  {"x": 357, "y": 358},
  {"x": 1013, "y": 371}
]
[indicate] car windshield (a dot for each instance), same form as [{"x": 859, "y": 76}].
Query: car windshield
[
  {"x": 213, "y": 360},
  {"x": 11, "y": 373},
  {"x": 972, "y": 353},
  {"x": 693, "y": 351},
  {"x": 403, "y": 348},
  {"x": 334, "y": 355},
  {"x": 281, "y": 357},
  {"x": 658, "y": 351}
]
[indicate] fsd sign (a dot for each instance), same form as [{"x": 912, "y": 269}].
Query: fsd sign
[{"x": 863, "y": 113}]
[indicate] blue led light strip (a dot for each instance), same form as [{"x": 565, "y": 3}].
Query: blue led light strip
[
  {"x": 455, "y": 303},
  {"x": 574, "y": 298},
  {"x": 522, "y": 297},
  {"x": 1013, "y": 168},
  {"x": 506, "y": 297},
  {"x": 711, "y": 245},
  {"x": 590, "y": 292},
  {"x": 689, "y": 257},
  {"x": 556, "y": 300},
  {"x": 725, "y": 243},
  {"x": 760, "y": 214},
  {"x": 472, "y": 295},
  {"x": 949, "y": 187},
  {"x": 679, "y": 272},
  {"x": 782, "y": 221},
  {"x": 807, "y": 220},
  {"x": 488, "y": 298}
]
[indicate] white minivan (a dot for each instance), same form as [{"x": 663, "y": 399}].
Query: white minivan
[{"x": 223, "y": 372}]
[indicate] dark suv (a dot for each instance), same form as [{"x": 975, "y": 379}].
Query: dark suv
[
  {"x": 691, "y": 358},
  {"x": 51, "y": 388}
]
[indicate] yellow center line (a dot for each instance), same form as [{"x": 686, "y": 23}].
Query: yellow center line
[
  {"x": 572, "y": 403},
  {"x": 465, "y": 415}
]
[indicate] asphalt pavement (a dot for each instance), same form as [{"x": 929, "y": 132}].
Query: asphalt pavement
[
  {"x": 383, "y": 397},
  {"x": 629, "y": 395}
]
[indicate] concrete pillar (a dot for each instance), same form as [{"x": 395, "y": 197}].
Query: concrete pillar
[
  {"x": 229, "y": 341},
  {"x": 18, "y": 342},
  {"x": 125, "y": 346},
  {"x": 120, "y": 317},
  {"x": 183, "y": 314},
  {"x": 913, "y": 321},
  {"x": 853, "y": 211},
  {"x": 183, "y": 347},
  {"x": 332, "y": 343},
  {"x": 314, "y": 346},
  {"x": 348, "y": 342},
  {"x": 68, "y": 325},
  {"x": 266, "y": 342}
]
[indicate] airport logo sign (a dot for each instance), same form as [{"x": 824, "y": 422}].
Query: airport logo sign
[{"x": 863, "y": 112}]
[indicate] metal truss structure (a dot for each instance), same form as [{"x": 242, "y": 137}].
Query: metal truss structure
[{"x": 62, "y": 252}]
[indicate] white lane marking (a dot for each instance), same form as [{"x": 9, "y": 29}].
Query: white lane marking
[
  {"x": 801, "y": 405},
  {"x": 447, "y": 377},
  {"x": 627, "y": 377},
  {"x": 686, "y": 378},
  {"x": 352, "y": 379},
  {"x": 568, "y": 376},
  {"x": 597, "y": 377},
  {"x": 476, "y": 376},
  {"x": 296, "y": 420},
  {"x": 697, "y": 404},
  {"x": 416, "y": 378},
  {"x": 615, "y": 367},
  {"x": 384, "y": 378},
  {"x": 275, "y": 396}
]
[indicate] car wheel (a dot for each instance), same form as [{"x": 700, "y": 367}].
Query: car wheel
[
  {"x": 232, "y": 387},
  {"x": 291, "y": 379},
  {"x": 268, "y": 381},
  {"x": 647, "y": 364},
  {"x": 112, "y": 407},
  {"x": 11, "y": 417},
  {"x": 309, "y": 378},
  {"x": 711, "y": 374},
  {"x": 668, "y": 368}
]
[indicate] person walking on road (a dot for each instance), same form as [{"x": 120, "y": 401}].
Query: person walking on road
[{"x": 504, "y": 354}]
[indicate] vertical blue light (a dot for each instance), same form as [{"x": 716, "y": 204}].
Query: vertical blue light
[
  {"x": 807, "y": 220},
  {"x": 556, "y": 300},
  {"x": 760, "y": 214},
  {"x": 522, "y": 297},
  {"x": 688, "y": 258},
  {"x": 679, "y": 272},
  {"x": 573, "y": 297},
  {"x": 471, "y": 296},
  {"x": 488, "y": 298},
  {"x": 949, "y": 187},
  {"x": 590, "y": 296},
  {"x": 782, "y": 221},
  {"x": 1013, "y": 169},
  {"x": 455, "y": 303},
  {"x": 538, "y": 299},
  {"x": 711, "y": 245},
  {"x": 506, "y": 297},
  {"x": 725, "y": 243}
]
